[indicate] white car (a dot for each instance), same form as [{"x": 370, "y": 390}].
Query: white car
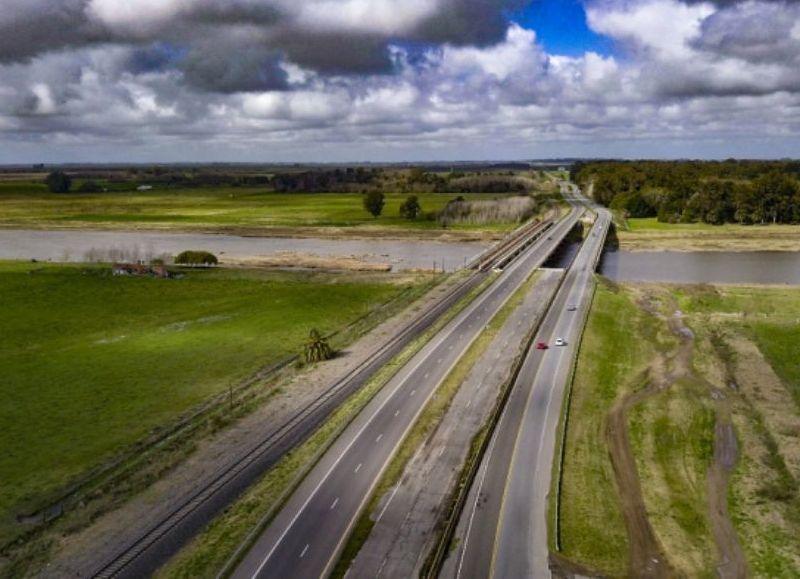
[{"x": 560, "y": 342}]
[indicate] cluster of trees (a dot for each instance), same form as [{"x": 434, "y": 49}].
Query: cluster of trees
[
  {"x": 459, "y": 182},
  {"x": 374, "y": 202},
  {"x": 323, "y": 181},
  {"x": 313, "y": 180},
  {"x": 690, "y": 191}
]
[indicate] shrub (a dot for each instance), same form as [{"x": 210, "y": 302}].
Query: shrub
[
  {"x": 58, "y": 182},
  {"x": 317, "y": 348},
  {"x": 90, "y": 187},
  {"x": 196, "y": 258},
  {"x": 506, "y": 210}
]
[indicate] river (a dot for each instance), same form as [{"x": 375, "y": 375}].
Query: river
[
  {"x": 755, "y": 267},
  {"x": 78, "y": 246}
]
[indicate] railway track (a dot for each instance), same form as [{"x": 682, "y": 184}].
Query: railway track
[{"x": 162, "y": 540}]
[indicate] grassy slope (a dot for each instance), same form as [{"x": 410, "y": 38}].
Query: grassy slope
[
  {"x": 780, "y": 343},
  {"x": 92, "y": 363},
  {"x": 611, "y": 355},
  {"x": 24, "y": 205}
]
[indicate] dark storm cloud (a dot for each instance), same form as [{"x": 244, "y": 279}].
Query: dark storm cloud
[
  {"x": 250, "y": 34},
  {"x": 28, "y": 28},
  {"x": 460, "y": 22},
  {"x": 234, "y": 68}
]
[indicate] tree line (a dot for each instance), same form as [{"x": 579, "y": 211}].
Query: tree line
[{"x": 715, "y": 192}]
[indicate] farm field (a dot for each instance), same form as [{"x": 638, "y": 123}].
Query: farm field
[
  {"x": 93, "y": 363},
  {"x": 689, "y": 378},
  {"x": 649, "y": 234},
  {"x": 248, "y": 211}
]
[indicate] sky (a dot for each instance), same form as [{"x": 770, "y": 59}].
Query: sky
[{"x": 160, "y": 81}]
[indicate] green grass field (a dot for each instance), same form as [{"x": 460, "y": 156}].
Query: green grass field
[
  {"x": 653, "y": 224},
  {"x": 92, "y": 363},
  {"x": 30, "y": 205},
  {"x": 672, "y": 432},
  {"x": 771, "y": 315},
  {"x": 611, "y": 356}
]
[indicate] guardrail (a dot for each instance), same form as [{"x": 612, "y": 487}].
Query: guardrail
[
  {"x": 559, "y": 472},
  {"x": 195, "y": 511},
  {"x": 435, "y": 561},
  {"x": 518, "y": 239}
]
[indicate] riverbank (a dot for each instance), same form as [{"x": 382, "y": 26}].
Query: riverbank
[
  {"x": 648, "y": 234},
  {"x": 105, "y": 246}
]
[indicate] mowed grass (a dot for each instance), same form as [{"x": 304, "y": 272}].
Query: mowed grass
[
  {"x": 611, "y": 357},
  {"x": 30, "y": 205},
  {"x": 92, "y": 363}
]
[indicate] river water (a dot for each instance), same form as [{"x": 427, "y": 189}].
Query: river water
[
  {"x": 131, "y": 246},
  {"x": 756, "y": 267}
]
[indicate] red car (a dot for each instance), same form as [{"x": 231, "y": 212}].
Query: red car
[{"x": 541, "y": 346}]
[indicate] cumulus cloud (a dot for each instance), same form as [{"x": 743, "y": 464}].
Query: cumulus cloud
[{"x": 333, "y": 79}]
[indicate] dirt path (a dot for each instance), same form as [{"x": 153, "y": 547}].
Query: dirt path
[
  {"x": 647, "y": 555},
  {"x": 732, "y": 564}
]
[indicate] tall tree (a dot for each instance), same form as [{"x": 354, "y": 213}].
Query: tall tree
[
  {"x": 410, "y": 208},
  {"x": 59, "y": 182},
  {"x": 374, "y": 202}
]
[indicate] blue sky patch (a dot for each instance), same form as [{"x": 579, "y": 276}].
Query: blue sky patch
[{"x": 561, "y": 27}]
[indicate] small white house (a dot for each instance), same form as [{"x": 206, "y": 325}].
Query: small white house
[{"x": 144, "y": 188}]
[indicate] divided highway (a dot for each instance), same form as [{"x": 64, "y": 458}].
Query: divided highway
[
  {"x": 188, "y": 514},
  {"x": 306, "y": 537},
  {"x": 503, "y": 528}
]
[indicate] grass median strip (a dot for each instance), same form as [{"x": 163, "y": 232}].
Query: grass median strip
[
  {"x": 209, "y": 552},
  {"x": 426, "y": 424}
]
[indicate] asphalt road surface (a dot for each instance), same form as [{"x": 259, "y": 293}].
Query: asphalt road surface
[
  {"x": 504, "y": 523},
  {"x": 306, "y": 537}
]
